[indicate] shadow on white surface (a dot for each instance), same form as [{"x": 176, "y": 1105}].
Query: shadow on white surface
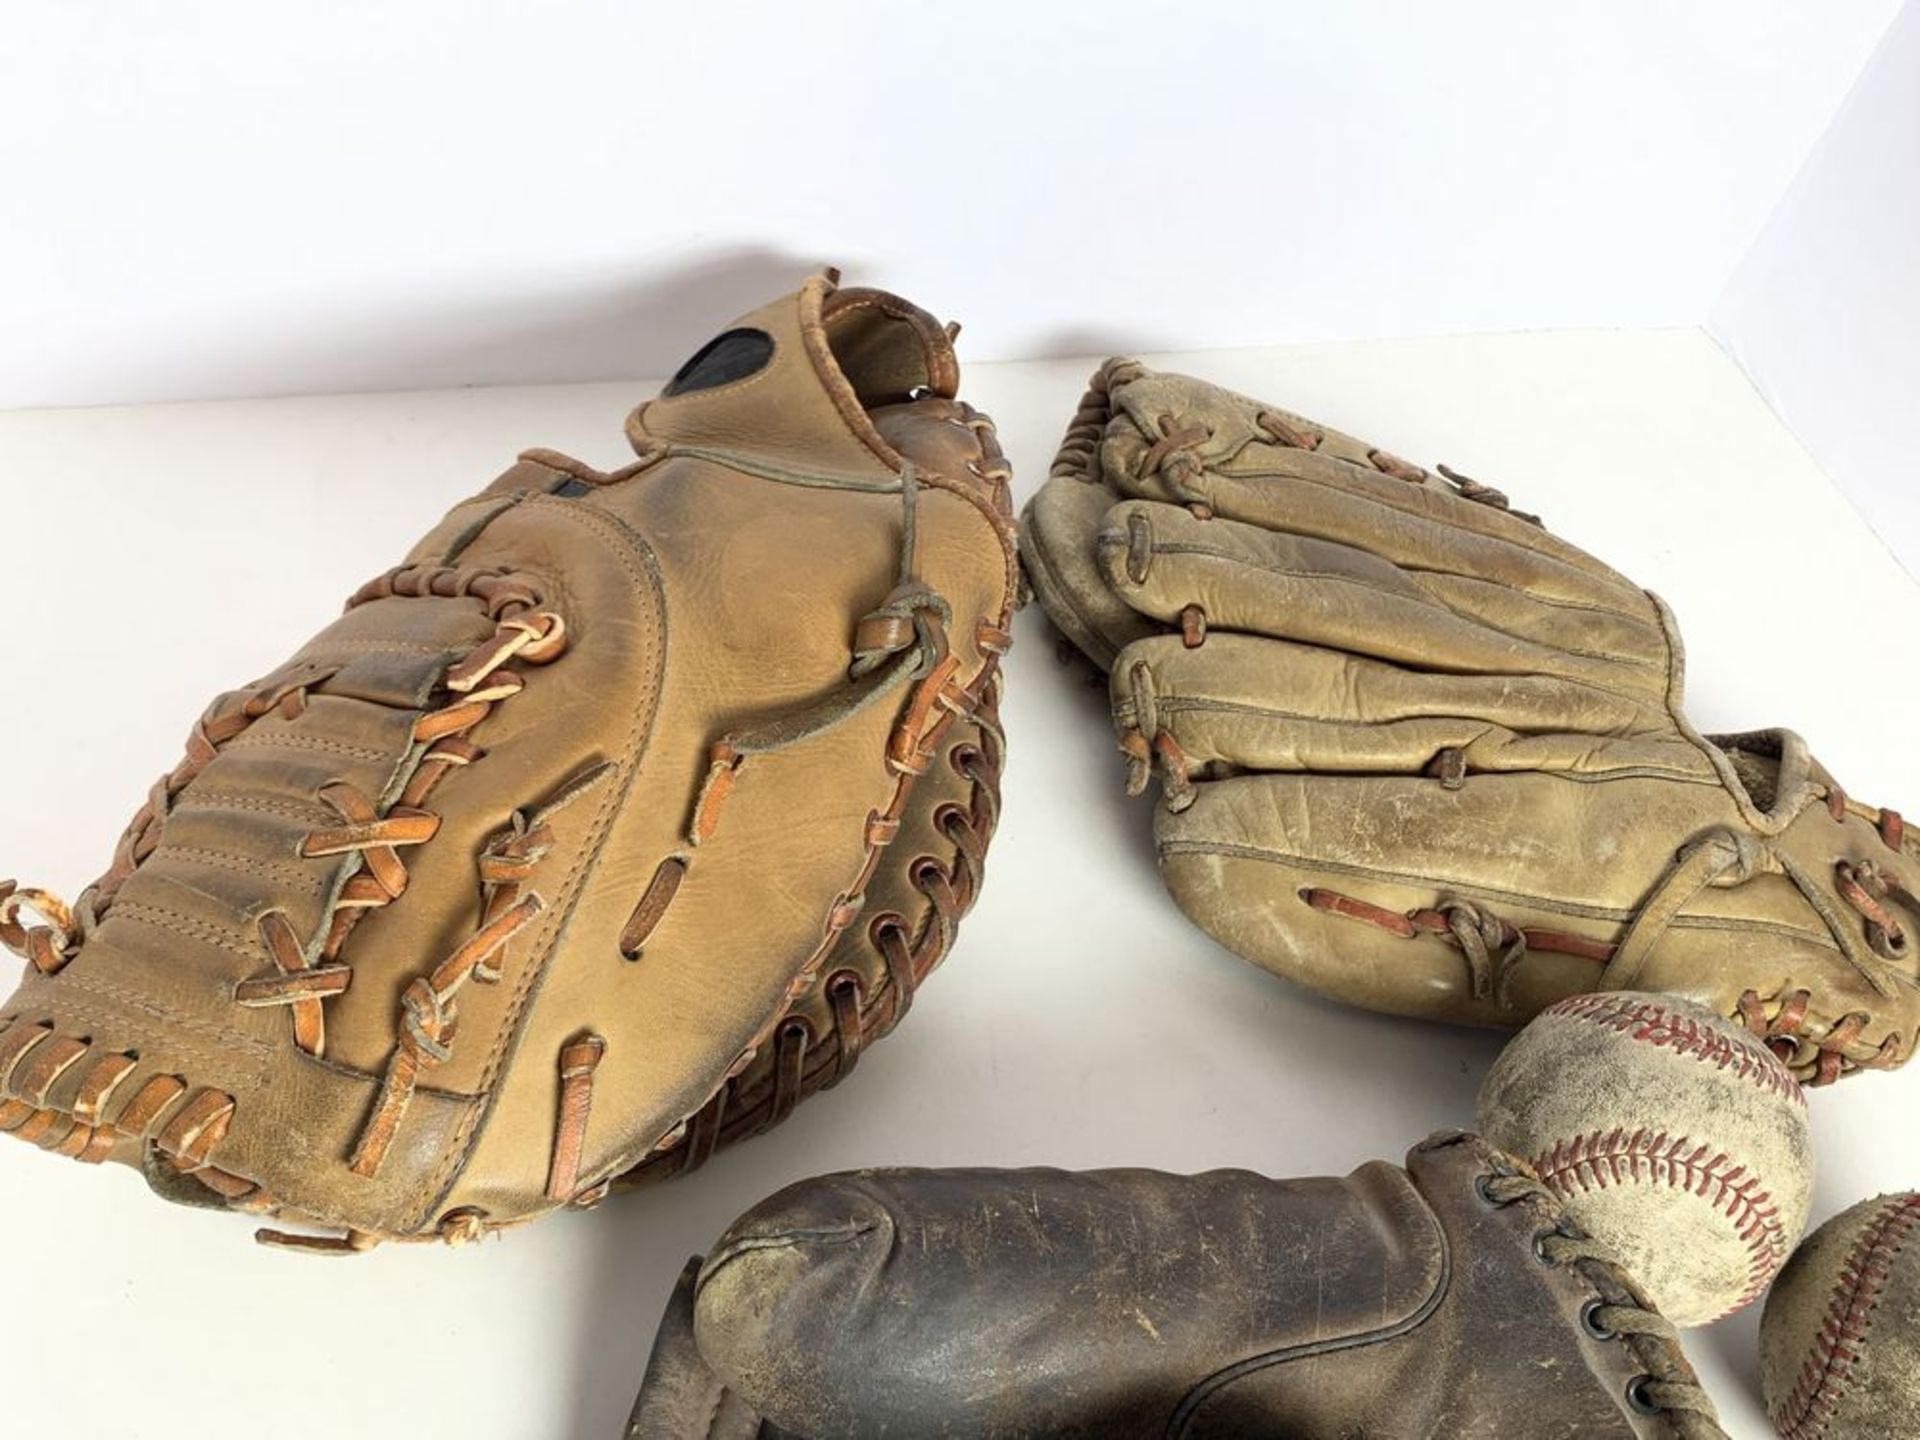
[{"x": 567, "y": 328}]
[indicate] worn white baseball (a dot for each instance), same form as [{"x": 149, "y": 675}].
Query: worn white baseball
[
  {"x": 1674, "y": 1136},
  {"x": 1840, "y": 1337}
]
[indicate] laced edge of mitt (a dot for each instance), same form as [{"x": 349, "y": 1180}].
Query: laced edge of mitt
[
  {"x": 1667, "y": 1384},
  {"x": 800, "y": 1060},
  {"x": 301, "y": 976},
  {"x": 789, "y": 1060}
]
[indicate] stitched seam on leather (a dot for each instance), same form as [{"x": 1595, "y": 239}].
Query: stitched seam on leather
[
  {"x": 379, "y": 647},
  {"x": 780, "y": 474},
  {"x": 257, "y": 739},
  {"x": 636, "y": 558},
  {"x": 184, "y": 926},
  {"x": 1600, "y": 574},
  {"x": 1428, "y": 602},
  {"x": 1427, "y": 882},
  {"x": 1828, "y": 1370},
  {"x": 1564, "y": 777},
  {"x": 1600, "y": 1158},
  {"x": 1577, "y": 607},
  {"x": 1648, "y": 1022},
  {"x": 239, "y": 864},
  {"x": 299, "y": 810},
  {"x": 1124, "y": 708},
  {"x": 164, "y": 1015},
  {"x": 1189, "y": 1405},
  {"x": 1254, "y": 707}
]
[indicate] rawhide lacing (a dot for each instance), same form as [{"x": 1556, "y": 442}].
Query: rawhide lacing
[
  {"x": 1285, "y": 432},
  {"x": 909, "y": 948},
  {"x": 1817, "y": 1049},
  {"x": 1078, "y": 457},
  {"x": 903, "y": 641},
  {"x": 429, "y": 1013},
  {"x": 302, "y": 974},
  {"x": 1619, "y": 1312},
  {"x": 180, "y": 1123},
  {"x": 1492, "y": 946},
  {"x": 1173, "y": 451},
  {"x": 1815, "y": 1056},
  {"x": 49, "y": 946},
  {"x": 1469, "y": 488}
]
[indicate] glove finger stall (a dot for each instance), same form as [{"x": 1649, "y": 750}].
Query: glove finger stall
[
  {"x": 1165, "y": 562},
  {"x": 1252, "y": 703}
]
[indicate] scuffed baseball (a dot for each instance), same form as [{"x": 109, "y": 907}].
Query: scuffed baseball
[
  {"x": 1674, "y": 1136},
  {"x": 1840, "y": 1337}
]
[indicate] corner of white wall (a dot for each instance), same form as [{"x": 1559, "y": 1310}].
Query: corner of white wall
[{"x": 1824, "y": 312}]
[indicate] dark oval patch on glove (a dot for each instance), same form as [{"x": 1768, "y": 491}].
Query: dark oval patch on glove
[{"x": 727, "y": 357}]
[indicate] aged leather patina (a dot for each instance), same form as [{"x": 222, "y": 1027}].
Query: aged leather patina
[
  {"x": 1420, "y": 754},
  {"x": 1451, "y": 1298},
  {"x": 616, "y": 820}
]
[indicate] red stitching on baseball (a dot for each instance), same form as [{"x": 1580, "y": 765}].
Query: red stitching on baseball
[
  {"x": 1647, "y": 1020},
  {"x": 1823, "y": 1379},
  {"x": 1600, "y": 1158}
]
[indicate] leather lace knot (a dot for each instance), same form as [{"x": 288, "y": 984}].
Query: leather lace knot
[
  {"x": 912, "y": 617},
  {"x": 1868, "y": 889},
  {"x": 429, "y": 1018},
  {"x": 429, "y": 1022},
  {"x": 46, "y": 946},
  {"x": 1468, "y": 488},
  {"x": 1738, "y": 857},
  {"x": 1493, "y": 948},
  {"x": 1173, "y": 453}
]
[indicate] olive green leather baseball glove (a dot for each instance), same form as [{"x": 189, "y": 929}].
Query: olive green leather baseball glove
[
  {"x": 615, "y": 821},
  {"x": 1423, "y": 756}
]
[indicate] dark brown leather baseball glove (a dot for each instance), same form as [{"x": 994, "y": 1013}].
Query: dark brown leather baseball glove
[{"x": 1449, "y": 1298}]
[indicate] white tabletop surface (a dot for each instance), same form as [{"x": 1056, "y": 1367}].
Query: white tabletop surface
[{"x": 160, "y": 555}]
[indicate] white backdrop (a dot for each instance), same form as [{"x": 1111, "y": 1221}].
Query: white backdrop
[
  {"x": 218, "y": 197},
  {"x": 1825, "y": 313}
]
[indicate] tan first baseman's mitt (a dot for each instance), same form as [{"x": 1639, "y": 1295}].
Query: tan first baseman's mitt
[
  {"x": 1423, "y": 756},
  {"x": 614, "y": 822}
]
